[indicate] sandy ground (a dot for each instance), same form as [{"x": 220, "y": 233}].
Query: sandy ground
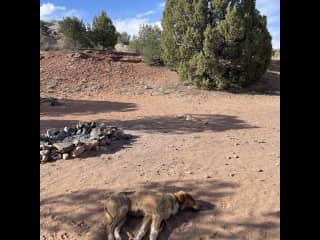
[{"x": 225, "y": 152}]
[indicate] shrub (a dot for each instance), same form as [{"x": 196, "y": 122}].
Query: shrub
[
  {"x": 74, "y": 32},
  {"x": 216, "y": 44},
  {"x": 103, "y": 33},
  {"x": 147, "y": 43}
]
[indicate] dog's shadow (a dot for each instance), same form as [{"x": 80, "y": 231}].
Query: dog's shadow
[{"x": 174, "y": 223}]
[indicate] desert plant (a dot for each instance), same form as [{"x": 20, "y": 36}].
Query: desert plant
[
  {"x": 74, "y": 32},
  {"x": 147, "y": 43},
  {"x": 104, "y": 33},
  {"x": 215, "y": 44}
]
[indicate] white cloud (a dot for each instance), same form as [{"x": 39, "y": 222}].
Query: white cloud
[
  {"x": 161, "y": 5},
  {"x": 145, "y": 14},
  {"x": 132, "y": 25},
  {"x": 49, "y": 11}
]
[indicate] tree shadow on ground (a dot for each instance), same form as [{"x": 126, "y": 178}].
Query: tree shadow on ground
[
  {"x": 84, "y": 107},
  {"x": 167, "y": 124},
  {"x": 81, "y": 213},
  {"x": 269, "y": 84}
]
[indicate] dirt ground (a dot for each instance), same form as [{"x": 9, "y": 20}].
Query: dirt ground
[{"x": 223, "y": 148}]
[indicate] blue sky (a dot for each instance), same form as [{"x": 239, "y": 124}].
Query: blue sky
[{"x": 127, "y": 15}]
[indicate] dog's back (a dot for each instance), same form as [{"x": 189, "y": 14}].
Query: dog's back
[{"x": 150, "y": 203}]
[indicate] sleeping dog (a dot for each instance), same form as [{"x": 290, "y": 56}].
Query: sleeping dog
[{"x": 155, "y": 207}]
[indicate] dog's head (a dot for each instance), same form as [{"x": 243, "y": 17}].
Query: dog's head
[{"x": 186, "y": 201}]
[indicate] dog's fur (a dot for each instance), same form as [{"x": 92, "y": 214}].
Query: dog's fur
[{"x": 155, "y": 207}]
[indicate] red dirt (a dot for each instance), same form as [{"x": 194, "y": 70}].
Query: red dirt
[{"x": 226, "y": 154}]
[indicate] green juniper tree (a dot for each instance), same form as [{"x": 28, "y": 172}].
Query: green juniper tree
[
  {"x": 44, "y": 33},
  {"x": 104, "y": 33},
  {"x": 147, "y": 43},
  {"x": 74, "y": 31},
  {"x": 216, "y": 44}
]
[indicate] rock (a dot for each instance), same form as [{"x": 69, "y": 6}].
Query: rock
[
  {"x": 232, "y": 174},
  {"x": 188, "y": 117},
  {"x": 44, "y": 152},
  {"x": 78, "y": 151},
  {"x": 44, "y": 158},
  {"x": 207, "y": 176},
  {"x": 75, "y": 140},
  {"x": 44, "y": 155},
  {"x": 180, "y": 116},
  {"x": 65, "y": 156},
  {"x": 91, "y": 144},
  {"x": 147, "y": 87},
  {"x": 64, "y": 147},
  {"x": 229, "y": 157},
  {"x": 54, "y": 155},
  {"x": 260, "y": 170}
]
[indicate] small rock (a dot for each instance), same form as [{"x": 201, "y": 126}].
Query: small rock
[
  {"x": 44, "y": 152},
  {"x": 188, "y": 172},
  {"x": 236, "y": 156},
  {"x": 147, "y": 87},
  {"x": 232, "y": 174},
  {"x": 237, "y": 144},
  {"x": 207, "y": 176},
  {"x": 188, "y": 118},
  {"x": 64, "y": 147},
  {"x": 44, "y": 158},
  {"x": 79, "y": 150},
  {"x": 260, "y": 170},
  {"x": 65, "y": 156},
  {"x": 229, "y": 157}
]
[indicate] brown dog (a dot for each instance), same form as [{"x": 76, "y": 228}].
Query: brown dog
[{"x": 155, "y": 207}]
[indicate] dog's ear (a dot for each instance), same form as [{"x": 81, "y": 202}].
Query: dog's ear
[{"x": 181, "y": 196}]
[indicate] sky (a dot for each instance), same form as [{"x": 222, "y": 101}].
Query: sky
[{"x": 128, "y": 15}]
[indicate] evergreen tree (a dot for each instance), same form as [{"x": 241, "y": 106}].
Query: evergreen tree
[
  {"x": 216, "y": 43},
  {"x": 44, "y": 33},
  {"x": 147, "y": 43},
  {"x": 74, "y": 32},
  {"x": 103, "y": 31}
]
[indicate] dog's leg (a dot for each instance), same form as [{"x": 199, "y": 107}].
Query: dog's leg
[
  {"x": 110, "y": 232},
  {"x": 118, "y": 228},
  {"x": 144, "y": 228},
  {"x": 155, "y": 227}
]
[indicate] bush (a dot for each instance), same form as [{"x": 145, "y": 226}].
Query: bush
[
  {"x": 74, "y": 32},
  {"x": 216, "y": 44},
  {"x": 135, "y": 45},
  {"x": 147, "y": 43},
  {"x": 103, "y": 33}
]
